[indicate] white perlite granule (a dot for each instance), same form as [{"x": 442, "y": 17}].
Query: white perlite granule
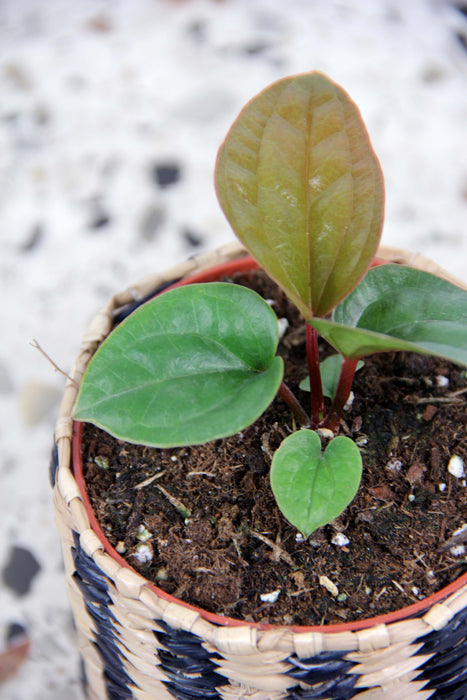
[
  {"x": 283, "y": 324},
  {"x": 270, "y": 597},
  {"x": 458, "y": 550},
  {"x": 340, "y": 540},
  {"x": 394, "y": 465},
  {"x": 143, "y": 553},
  {"x": 456, "y": 466}
]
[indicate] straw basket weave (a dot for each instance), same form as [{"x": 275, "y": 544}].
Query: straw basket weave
[{"x": 137, "y": 642}]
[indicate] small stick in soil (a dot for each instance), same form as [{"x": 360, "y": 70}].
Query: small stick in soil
[
  {"x": 456, "y": 565},
  {"x": 178, "y": 505},
  {"x": 460, "y": 538},
  {"x": 419, "y": 558},
  {"x": 238, "y": 550},
  {"x": 302, "y": 591},
  {"x": 149, "y": 480},
  {"x": 449, "y": 398},
  {"x": 400, "y": 588},
  {"x": 278, "y": 552},
  {"x": 382, "y": 592},
  {"x": 442, "y": 531}
]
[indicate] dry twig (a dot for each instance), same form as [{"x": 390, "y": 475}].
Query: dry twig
[
  {"x": 36, "y": 346},
  {"x": 277, "y": 551},
  {"x": 460, "y": 538},
  {"x": 452, "y": 397}
]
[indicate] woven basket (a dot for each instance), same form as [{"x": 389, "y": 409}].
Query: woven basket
[{"x": 138, "y": 642}]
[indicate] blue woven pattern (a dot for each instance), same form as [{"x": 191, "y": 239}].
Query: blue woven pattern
[
  {"x": 93, "y": 586},
  {"x": 53, "y": 465},
  {"x": 190, "y": 669},
  {"x": 327, "y": 674},
  {"x": 447, "y": 670}
]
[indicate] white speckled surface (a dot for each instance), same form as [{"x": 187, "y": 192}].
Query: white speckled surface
[{"x": 94, "y": 95}]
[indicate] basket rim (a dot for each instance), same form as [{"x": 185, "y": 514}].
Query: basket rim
[{"x": 246, "y": 262}]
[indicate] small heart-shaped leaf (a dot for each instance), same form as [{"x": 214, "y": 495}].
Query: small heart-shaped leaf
[
  {"x": 312, "y": 487},
  {"x": 330, "y": 370},
  {"x": 302, "y": 188},
  {"x": 400, "y": 308},
  {"x": 194, "y": 364}
]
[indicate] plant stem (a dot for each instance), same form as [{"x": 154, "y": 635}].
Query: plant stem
[
  {"x": 316, "y": 390},
  {"x": 294, "y": 405},
  {"x": 344, "y": 385}
]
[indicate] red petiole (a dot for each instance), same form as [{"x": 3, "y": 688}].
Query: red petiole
[
  {"x": 331, "y": 421},
  {"x": 344, "y": 385},
  {"x": 318, "y": 411},
  {"x": 295, "y": 406}
]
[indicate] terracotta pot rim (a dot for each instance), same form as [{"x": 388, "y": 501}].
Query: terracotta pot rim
[{"x": 240, "y": 265}]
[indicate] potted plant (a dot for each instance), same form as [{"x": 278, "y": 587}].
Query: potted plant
[{"x": 196, "y": 364}]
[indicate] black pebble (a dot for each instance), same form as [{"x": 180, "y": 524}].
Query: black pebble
[
  {"x": 166, "y": 174},
  {"x": 34, "y": 239},
  {"x": 197, "y": 30},
  {"x": 152, "y": 221},
  {"x": 193, "y": 239},
  {"x": 462, "y": 39},
  {"x": 100, "y": 220},
  {"x": 14, "y": 632},
  {"x": 20, "y": 570},
  {"x": 255, "y": 49}
]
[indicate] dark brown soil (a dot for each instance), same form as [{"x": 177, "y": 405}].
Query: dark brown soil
[{"x": 217, "y": 540}]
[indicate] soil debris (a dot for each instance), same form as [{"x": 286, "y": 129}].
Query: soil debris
[{"x": 236, "y": 546}]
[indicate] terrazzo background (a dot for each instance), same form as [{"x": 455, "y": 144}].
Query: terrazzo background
[{"x": 111, "y": 114}]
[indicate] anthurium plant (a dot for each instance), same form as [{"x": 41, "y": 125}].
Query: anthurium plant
[{"x": 303, "y": 190}]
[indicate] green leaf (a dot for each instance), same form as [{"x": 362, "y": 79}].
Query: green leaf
[
  {"x": 192, "y": 365},
  {"x": 303, "y": 190},
  {"x": 400, "y": 308},
  {"x": 312, "y": 487},
  {"x": 330, "y": 369}
]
